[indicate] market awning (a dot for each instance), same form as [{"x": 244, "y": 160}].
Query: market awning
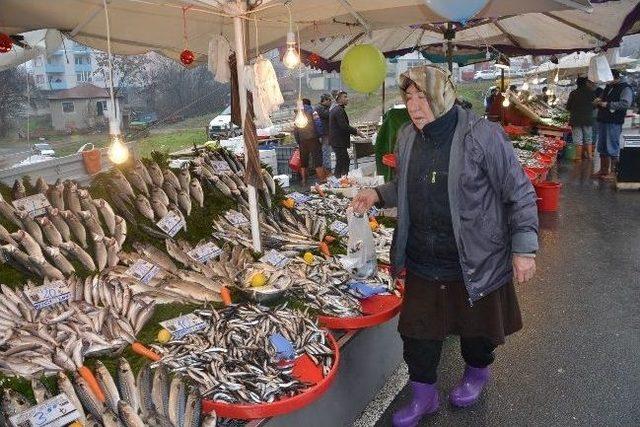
[
  {"x": 31, "y": 44},
  {"x": 326, "y": 26},
  {"x": 578, "y": 62}
]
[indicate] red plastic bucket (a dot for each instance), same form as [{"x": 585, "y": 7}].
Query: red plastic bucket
[{"x": 549, "y": 194}]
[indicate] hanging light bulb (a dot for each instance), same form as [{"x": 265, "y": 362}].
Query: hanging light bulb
[
  {"x": 506, "y": 101},
  {"x": 535, "y": 81},
  {"x": 301, "y": 119},
  {"x": 525, "y": 85},
  {"x": 118, "y": 151},
  {"x": 531, "y": 97},
  {"x": 557, "y": 77},
  {"x": 487, "y": 55},
  {"x": 291, "y": 58}
]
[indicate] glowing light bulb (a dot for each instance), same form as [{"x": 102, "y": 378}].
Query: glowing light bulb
[
  {"x": 488, "y": 55},
  {"x": 531, "y": 97},
  {"x": 556, "y": 78},
  {"x": 506, "y": 101},
  {"x": 118, "y": 151},
  {"x": 535, "y": 81},
  {"x": 525, "y": 86},
  {"x": 291, "y": 58},
  {"x": 301, "y": 119}
]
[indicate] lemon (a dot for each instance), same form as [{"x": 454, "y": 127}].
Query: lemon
[
  {"x": 308, "y": 257},
  {"x": 164, "y": 336},
  {"x": 75, "y": 424},
  {"x": 374, "y": 225},
  {"x": 258, "y": 280},
  {"x": 289, "y": 203}
]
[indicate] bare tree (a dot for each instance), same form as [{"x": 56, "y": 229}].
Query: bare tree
[
  {"x": 13, "y": 85},
  {"x": 128, "y": 70}
]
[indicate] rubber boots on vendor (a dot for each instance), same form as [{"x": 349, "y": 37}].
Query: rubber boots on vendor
[
  {"x": 424, "y": 401},
  {"x": 470, "y": 387},
  {"x": 604, "y": 167}
]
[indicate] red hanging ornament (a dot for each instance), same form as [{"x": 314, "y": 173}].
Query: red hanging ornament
[
  {"x": 187, "y": 57},
  {"x": 6, "y": 43}
]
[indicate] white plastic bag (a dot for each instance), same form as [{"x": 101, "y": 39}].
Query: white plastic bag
[
  {"x": 361, "y": 248},
  {"x": 599, "y": 70}
]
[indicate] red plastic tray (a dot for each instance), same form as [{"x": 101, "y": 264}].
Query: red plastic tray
[
  {"x": 305, "y": 370},
  {"x": 377, "y": 310},
  {"x": 389, "y": 160}
]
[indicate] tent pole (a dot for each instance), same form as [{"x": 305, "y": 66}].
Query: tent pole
[
  {"x": 502, "y": 88},
  {"x": 450, "y": 34},
  {"x": 384, "y": 93},
  {"x": 238, "y": 26}
]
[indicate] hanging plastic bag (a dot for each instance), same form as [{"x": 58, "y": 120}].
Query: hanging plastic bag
[
  {"x": 361, "y": 248},
  {"x": 599, "y": 70},
  {"x": 295, "y": 161}
]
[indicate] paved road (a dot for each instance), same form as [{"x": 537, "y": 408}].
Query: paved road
[{"x": 577, "y": 361}]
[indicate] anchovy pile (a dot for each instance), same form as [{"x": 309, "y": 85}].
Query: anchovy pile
[
  {"x": 234, "y": 361},
  {"x": 383, "y": 237},
  {"x": 74, "y": 227},
  {"x": 99, "y": 317},
  {"x": 330, "y": 206}
]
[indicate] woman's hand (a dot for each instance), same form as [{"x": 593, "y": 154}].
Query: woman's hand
[
  {"x": 524, "y": 268},
  {"x": 364, "y": 200}
]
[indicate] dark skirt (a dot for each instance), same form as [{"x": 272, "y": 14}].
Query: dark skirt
[
  {"x": 433, "y": 310},
  {"x": 310, "y": 149}
]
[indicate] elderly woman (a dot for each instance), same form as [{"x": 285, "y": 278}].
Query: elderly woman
[{"x": 467, "y": 227}]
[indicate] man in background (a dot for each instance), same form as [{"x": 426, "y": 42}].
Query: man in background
[
  {"x": 580, "y": 108},
  {"x": 323, "y": 109},
  {"x": 612, "y": 109},
  {"x": 340, "y": 132}
]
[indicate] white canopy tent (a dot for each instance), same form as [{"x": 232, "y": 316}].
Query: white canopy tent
[
  {"x": 32, "y": 45},
  {"x": 577, "y": 63}
]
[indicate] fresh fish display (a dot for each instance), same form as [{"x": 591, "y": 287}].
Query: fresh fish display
[
  {"x": 91, "y": 223},
  {"x": 41, "y": 185},
  {"x": 77, "y": 229},
  {"x": 59, "y": 260},
  {"x": 72, "y": 249},
  {"x": 137, "y": 182},
  {"x": 31, "y": 227},
  {"x": 156, "y": 174},
  {"x": 100, "y": 252},
  {"x": 184, "y": 177},
  {"x": 141, "y": 170},
  {"x": 50, "y": 232},
  {"x": 71, "y": 198},
  {"x": 28, "y": 243},
  {"x": 86, "y": 202},
  {"x": 9, "y": 213},
  {"x": 108, "y": 216},
  {"x": 231, "y": 359},
  {"x": 184, "y": 201},
  {"x": 58, "y": 221},
  {"x": 171, "y": 178},
  {"x": 101, "y": 316},
  {"x": 18, "y": 191},
  {"x": 144, "y": 207},
  {"x": 195, "y": 189},
  {"x": 55, "y": 195},
  {"x": 120, "y": 231},
  {"x": 5, "y": 237}
]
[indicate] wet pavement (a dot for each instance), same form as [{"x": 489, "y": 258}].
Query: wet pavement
[{"x": 577, "y": 360}]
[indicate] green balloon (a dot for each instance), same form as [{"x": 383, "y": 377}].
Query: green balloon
[{"x": 363, "y": 68}]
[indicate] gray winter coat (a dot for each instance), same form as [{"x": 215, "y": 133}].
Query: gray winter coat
[{"x": 493, "y": 204}]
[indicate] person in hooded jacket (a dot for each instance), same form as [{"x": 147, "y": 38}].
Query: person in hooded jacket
[
  {"x": 309, "y": 145},
  {"x": 467, "y": 227}
]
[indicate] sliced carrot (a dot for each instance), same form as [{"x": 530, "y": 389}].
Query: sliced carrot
[
  {"x": 226, "y": 296},
  {"x": 92, "y": 382},
  {"x": 329, "y": 239},
  {"x": 324, "y": 248},
  {"x": 142, "y": 350}
]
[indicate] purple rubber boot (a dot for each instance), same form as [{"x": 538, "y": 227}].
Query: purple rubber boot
[
  {"x": 425, "y": 401},
  {"x": 468, "y": 390}
]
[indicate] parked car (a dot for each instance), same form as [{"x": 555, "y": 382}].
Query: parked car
[
  {"x": 43, "y": 149},
  {"x": 221, "y": 126},
  {"x": 485, "y": 75}
]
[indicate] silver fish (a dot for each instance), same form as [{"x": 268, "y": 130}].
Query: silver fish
[
  {"x": 122, "y": 183},
  {"x": 108, "y": 216},
  {"x": 110, "y": 419},
  {"x": 112, "y": 251},
  {"x": 160, "y": 391},
  {"x": 41, "y": 185},
  {"x": 138, "y": 182},
  {"x": 195, "y": 189},
  {"x": 9, "y": 213},
  {"x": 155, "y": 256},
  {"x": 159, "y": 208},
  {"x": 45, "y": 269},
  {"x": 50, "y": 231},
  {"x": 268, "y": 180},
  {"x": 18, "y": 191},
  {"x": 193, "y": 411},
  {"x": 86, "y": 202},
  {"x": 156, "y": 174},
  {"x": 28, "y": 243},
  {"x": 13, "y": 402},
  {"x": 59, "y": 260},
  {"x": 108, "y": 385},
  {"x": 100, "y": 251},
  {"x": 177, "y": 401},
  {"x": 91, "y": 223},
  {"x": 185, "y": 178},
  {"x": 31, "y": 227},
  {"x": 65, "y": 386},
  {"x": 144, "y": 207},
  {"x": 144, "y": 383},
  {"x": 127, "y": 384},
  {"x": 141, "y": 169},
  {"x": 120, "y": 231},
  {"x": 158, "y": 193},
  {"x": 89, "y": 401},
  {"x": 5, "y": 237},
  {"x": 220, "y": 185},
  {"x": 71, "y": 198},
  {"x": 55, "y": 195},
  {"x": 170, "y": 191},
  {"x": 17, "y": 258},
  {"x": 185, "y": 202},
  {"x": 80, "y": 254},
  {"x": 54, "y": 216},
  {"x": 40, "y": 392},
  {"x": 128, "y": 416},
  {"x": 76, "y": 227},
  {"x": 171, "y": 178}
]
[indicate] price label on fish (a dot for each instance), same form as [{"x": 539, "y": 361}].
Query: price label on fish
[
  {"x": 235, "y": 218},
  {"x": 46, "y": 295},
  {"x": 171, "y": 223},
  {"x": 299, "y": 197},
  {"x": 35, "y": 205},
  {"x": 339, "y": 227},
  {"x": 55, "y": 412},
  {"x": 275, "y": 258},
  {"x": 220, "y": 166},
  {"x": 204, "y": 253},
  {"x": 184, "y": 325},
  {"x": 143, "y": 271}
]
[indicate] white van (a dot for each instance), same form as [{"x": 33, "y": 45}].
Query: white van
[{"x": 222, "y": 126}]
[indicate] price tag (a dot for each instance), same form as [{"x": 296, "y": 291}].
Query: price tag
[
  {"x": 374, "y": 211},
  {"x": 220, "y": 166},
  {"x": 35, "y": 205},
  {"x": 299, "y": 197},
  {"x": 204, "y": 253},
  {"x": 339, "y": 227},
  {"x": 46, "y": 295},
  {"x": 275, "y": 258},
  {"x": 333, "y": 182},
  {"x": 143, "y": 271},
  {"x": 184, "y": 325},
  {"x": 55, "y": 412},
  {"x": 235, "y": 218},
  {"x": 171, "y": 223}
]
